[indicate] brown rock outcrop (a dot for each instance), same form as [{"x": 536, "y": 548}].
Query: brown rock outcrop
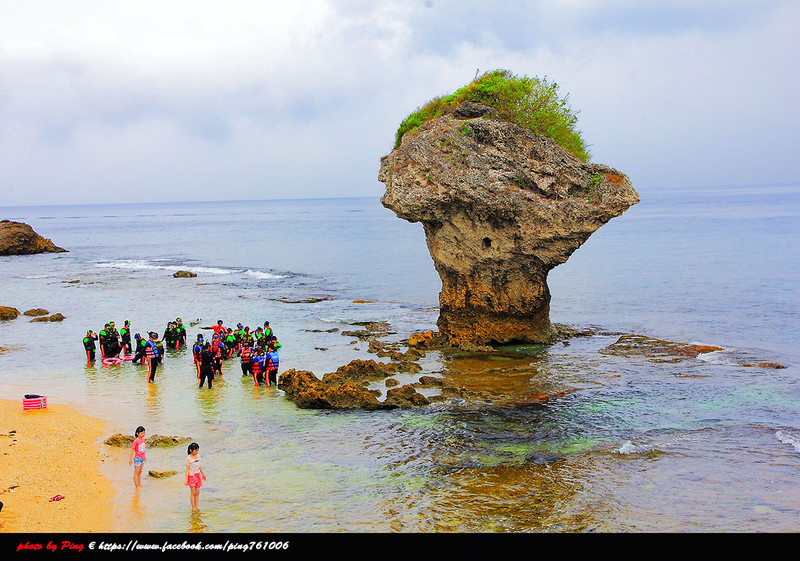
[
  {"x": 347, "y": 388},
  {"x": 18, "y": 238},
  {"x": 500, "y": 206},
  {"x": 54, "y": 317},
  {"x": 35, "y": 312},
  {"x": 8, "y": 313}
]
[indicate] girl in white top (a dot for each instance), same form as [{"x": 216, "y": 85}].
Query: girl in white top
[{"x": 194, "y": 474}]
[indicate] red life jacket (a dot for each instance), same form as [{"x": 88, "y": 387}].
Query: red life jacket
[{"x": 246, "y": 353}]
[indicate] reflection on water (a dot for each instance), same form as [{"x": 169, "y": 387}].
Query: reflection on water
[{"x": 195, "y": 523}]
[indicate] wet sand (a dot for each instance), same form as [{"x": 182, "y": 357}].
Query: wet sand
[{"x": 49, "y": 452}]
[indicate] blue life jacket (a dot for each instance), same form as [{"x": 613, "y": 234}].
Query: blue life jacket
[{"x": 273, "y": 355}]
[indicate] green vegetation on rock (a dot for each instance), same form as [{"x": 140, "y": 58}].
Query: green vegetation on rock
[{"x": 530, "y": 103}]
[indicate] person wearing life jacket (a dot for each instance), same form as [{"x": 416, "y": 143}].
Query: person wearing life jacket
[
  {"x": 152, "y": 355},
  {"x": 138, "y": 357},
  {"x": 274, "y": 342},
  {"x": 247, "y": 337},
  {"x": 196, "y": 350},
  {"x": 218, "y": 348},
  {"x": 170, "y": 335},
  {"x": 258, "y": 338},
  {"x": 238, "y": 333},
  {"x": 160, "y": 347},
  {"x": 114, "y": 347},
  {"x": 272, "y": 364},
  {"x": 246, "y": 358},
  {"x": 207, "y": 365},
  {"x": 230, "y": 343},
  {"x": 257, "y": 368},
  {"x": 219, "y": 329},
  {"x": 125, "y": 337},
  {"x": 180, "y": 330},
  {"x": 90, "y": 344}
]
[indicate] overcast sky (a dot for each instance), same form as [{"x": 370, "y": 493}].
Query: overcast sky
[{"x": 112, "y": 101}]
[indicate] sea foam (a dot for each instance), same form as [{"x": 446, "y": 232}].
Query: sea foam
[{"x": 788, "y": 439}]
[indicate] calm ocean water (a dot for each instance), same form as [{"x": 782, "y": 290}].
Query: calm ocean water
[{"x": 632, "y": 444}]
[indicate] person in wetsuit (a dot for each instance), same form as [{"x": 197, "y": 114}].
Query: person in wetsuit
[
  {"x": 196, "y": 350},
  {"x": 113, "y": 347},
  {"x": 272, "y": 363},
  {"x": 207, "y": 365},
  {"x": 218, "y": 348},
  {"x": 257, "y": 368},
  {"x": 138, "y": 356},
  {"x": 152, "y": 355},
  {"x": 90, "y": 345},
  {"x": 180, "y": 330},
  {"x": 246, "y": 358},
  {"x": 125, "y": 337},
  {"x": 170, "y": 335}
]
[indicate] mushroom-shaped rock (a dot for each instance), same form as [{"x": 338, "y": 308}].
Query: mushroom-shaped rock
[{"x": 500, "y": 206}]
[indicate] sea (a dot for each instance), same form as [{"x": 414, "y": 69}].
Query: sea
[{"x": 581, "y": 439}]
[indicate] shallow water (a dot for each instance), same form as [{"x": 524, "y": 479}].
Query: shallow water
[{"x": 566, "y": 438}]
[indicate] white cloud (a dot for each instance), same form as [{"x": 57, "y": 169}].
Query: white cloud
[{"x": 209, "y": 100}]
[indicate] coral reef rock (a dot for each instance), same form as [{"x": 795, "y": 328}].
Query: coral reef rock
[
  {"x": 500, "y": 207},
  {"x": 18, "y": 238}
]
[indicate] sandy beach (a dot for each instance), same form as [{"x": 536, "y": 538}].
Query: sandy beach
[{"x": 47, "y": 453}]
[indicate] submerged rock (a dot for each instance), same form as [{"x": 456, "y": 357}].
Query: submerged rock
[
  {"x": 161, "y": 474},
  {"x": 155, "y": 441},
  {"x": 500, "y": 207},
  {"x": 18, "y": 238},
  {"x": 656, "y": 350}
]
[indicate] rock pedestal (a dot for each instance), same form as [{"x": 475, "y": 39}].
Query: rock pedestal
[{"x": 500, "y": 206}]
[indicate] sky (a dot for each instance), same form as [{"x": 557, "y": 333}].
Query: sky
[{"x": 108, "y": 101}]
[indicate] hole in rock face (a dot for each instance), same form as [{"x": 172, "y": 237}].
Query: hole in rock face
[{"x": 487, "y": 243}]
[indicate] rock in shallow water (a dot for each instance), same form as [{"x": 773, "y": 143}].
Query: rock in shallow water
[
  {"x": 500, "y": 206},
  {"x": 18, "y": 238}
]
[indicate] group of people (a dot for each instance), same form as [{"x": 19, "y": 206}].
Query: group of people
[{"x": 257, "y": 350}]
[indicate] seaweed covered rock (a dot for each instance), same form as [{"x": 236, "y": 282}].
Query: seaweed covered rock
[{"x": 154, "y": 441}]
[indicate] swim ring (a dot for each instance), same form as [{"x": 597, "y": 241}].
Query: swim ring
[{"x": 111, "y": 360}]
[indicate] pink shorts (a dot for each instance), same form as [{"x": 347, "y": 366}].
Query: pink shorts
[{"x": 195, "y": 480}]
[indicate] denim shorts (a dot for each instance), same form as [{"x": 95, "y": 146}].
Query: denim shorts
[{"x": 138, "y": 461}]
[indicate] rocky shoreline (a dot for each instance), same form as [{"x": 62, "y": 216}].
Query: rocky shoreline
[
  {"x": 18, "y": 238},
  {"x": 371, "y": 385}
]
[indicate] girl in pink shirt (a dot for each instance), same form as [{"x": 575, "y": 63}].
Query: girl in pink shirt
[{"x": 137, "y": 458}]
